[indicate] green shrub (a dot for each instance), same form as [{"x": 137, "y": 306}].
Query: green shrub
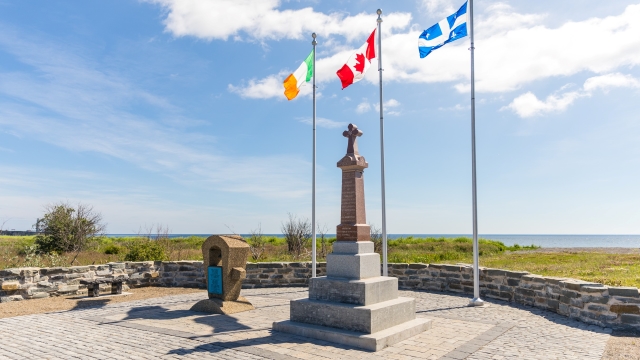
[
  {"x": 146, "y": 251},
  {"x": 112, "y": 249}
]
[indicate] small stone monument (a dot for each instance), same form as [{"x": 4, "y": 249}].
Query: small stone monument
[
  {"x": 353, "y": 304},
  {"x": 225, "y": 261}
]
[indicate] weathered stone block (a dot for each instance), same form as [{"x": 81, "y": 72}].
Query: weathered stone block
[
  {"x": 10, "y": 285},
  {"x": 630, "y": 319},
  {"x": 525, "y": 292},
  {"x": 595, "y": 299},
  {"x": 418, "y": 266},
  {"x": 516, "y": 274},
  {"x": 513, "y": 282},
  {"x": 598, "y": 308},
  {"x": 11, "y": 298},
  {"x": 624, "y": 291},
  {"x": 625, "y": 309}
]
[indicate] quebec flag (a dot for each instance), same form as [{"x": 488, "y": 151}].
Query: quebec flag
[{"x": 450, "y": 29}]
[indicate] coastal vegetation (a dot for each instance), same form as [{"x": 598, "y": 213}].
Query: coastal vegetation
[{"x": 613, "y": 269}]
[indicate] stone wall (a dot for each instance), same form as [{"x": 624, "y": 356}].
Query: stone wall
[
  {"x": 34, "y": 283},
  {"x": 593, "y": 303}
]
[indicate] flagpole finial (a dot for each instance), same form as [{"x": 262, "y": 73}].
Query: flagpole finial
[
  {"x": 379, "y": 12},
  {"x": 314, "y": 42}
]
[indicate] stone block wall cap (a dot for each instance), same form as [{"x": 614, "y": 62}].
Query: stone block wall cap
[{"x": 624, "y": 291}]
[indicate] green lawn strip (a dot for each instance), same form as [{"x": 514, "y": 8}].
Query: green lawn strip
[{"x": 604, "y": 268}]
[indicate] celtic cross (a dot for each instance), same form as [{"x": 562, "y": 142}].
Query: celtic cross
[{"x": 352, "y": 134}]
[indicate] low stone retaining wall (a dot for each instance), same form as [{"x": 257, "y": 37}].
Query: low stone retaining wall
[
  {"x": 593, "y": 303},
  {"x": 34, "y": 283}
]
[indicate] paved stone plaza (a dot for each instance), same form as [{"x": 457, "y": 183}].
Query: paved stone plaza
[{"x": 165, "y": 328}]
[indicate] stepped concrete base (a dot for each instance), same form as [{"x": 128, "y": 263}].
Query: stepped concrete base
[
  {"x": 353, "y": 266},
  {"x": 367, "y": 319},
  {"x": 372, "y": 342},
  {"x": 359, "y": 292}
]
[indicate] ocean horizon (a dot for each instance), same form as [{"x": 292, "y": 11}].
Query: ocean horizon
[{"x": 543, "y": 240}]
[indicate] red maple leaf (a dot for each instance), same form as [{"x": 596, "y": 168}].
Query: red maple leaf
[{"x": 359, "y": 66}]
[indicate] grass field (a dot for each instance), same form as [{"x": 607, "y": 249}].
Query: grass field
[{"x": 608, "y": 268}]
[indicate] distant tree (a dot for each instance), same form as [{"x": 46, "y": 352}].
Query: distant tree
[
  {"x": 297, "y": 233},
  {"x": 376, "y": 237},
  {"x": 322, "y": 231},
  {"x": 257, "y": 243},
  {"x": 68, "y": 229}
]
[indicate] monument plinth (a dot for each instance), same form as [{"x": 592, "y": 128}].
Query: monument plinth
[{"x": 353, "y": 304}]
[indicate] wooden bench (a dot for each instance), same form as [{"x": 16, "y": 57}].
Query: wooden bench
[{"x": 93, "y": 285}]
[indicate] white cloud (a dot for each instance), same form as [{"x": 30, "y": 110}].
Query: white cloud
[
  {"x": 456, "y": 107},
  {"x": 262, "y": 20},
  {"x": 75, "y": 105},
  {"x": 438, "y": 7},
  {"x": 325, "y": 123},
  {"x": 528, "y": 105},
  {"x": 363, "y": 107},
  {"x": 266, "y": 88},
  {"x": 391, "y": 103},
  {"x": 512, "y": 50},
  {"x": 609, "y": 81}
]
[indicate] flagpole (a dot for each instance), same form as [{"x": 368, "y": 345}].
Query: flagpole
[
  {"x": 313, "y": 181},
  {"x": 476, "y": 301},
  {"x": 385, "y": 270}
]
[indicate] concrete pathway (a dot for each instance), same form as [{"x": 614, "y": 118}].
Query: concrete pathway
[{"x": 164, "y": 328}]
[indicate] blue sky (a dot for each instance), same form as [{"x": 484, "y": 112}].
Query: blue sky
[{"x": 171, "y": 112}]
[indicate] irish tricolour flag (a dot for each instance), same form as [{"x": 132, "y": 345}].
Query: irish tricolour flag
[
  {"x": 358, "y": 64},
  {"x": 304, "y": 74}
]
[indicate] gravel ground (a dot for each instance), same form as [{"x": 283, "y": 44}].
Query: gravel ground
[
  {"x": 61, "y": 303},
  {"x": 622, "y": 346}
]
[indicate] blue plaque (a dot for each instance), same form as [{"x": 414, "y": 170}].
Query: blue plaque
[{"x": 214, "y": 277}]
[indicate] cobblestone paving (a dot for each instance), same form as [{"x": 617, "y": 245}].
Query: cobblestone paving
[{"x": 164, "y": 328}]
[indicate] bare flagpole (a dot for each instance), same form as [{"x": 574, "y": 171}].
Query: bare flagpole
[
  {"x": 385, "y": 270},
  {"x": 313, "y": 181},
  {"x": 476, "y": 301}
]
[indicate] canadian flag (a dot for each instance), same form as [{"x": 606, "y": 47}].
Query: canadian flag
[{"x": 358, "y": 64}]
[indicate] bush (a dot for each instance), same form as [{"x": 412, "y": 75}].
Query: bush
[
  {"x": 112, "y": 249},
  {"x": 146, "y": 251},
  {"x": 297, "y": 233},
  {"x": 68, "y": 229}
]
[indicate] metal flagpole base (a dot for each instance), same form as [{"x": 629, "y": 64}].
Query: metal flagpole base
[{"x": 477, "y": 302}]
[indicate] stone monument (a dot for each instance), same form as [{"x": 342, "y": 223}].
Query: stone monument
[
  {"x": 353, "y": 304},
  {"x": 225, "y": 261}
]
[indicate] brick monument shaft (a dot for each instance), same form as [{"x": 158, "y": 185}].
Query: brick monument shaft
[{"x": 353, "y": 220}]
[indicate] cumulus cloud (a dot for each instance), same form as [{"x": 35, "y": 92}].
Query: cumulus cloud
[
  {"x": 324, "y": 123},
  {"x": 269, "y": 87},
  {"x": 363, "y": 107},
  {"x": 528, "y": 104},
  {"x": 366, "y": 106},
  {"x": 262, "y": 20},
  {"x": 512, "y": 49}
]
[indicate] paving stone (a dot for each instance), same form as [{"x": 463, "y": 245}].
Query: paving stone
[{"x": 164, "y": 328}]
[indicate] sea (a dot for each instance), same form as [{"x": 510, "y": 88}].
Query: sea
[{"x": 545, "y": 241}]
